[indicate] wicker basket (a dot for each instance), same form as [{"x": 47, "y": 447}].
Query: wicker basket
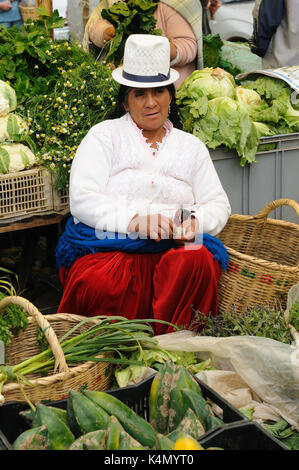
[
  {"x": 30, "y": 13},
  {"x": 55, "y": 386},
  {"x": 264, "y": 260}
]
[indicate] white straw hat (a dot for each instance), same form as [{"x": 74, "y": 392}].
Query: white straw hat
[{"x": 146, "y": 62}]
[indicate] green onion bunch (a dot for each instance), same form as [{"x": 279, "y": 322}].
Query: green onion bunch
[{"x": 114, "y": 337}]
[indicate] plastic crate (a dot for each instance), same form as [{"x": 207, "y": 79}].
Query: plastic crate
[
  {"x": 241, "y": 436},
  {"x": 244, "y": 433},
  {"x": 136, "y": 397},
  {"x": 25, "y": 193},
  {"x": 60, "y": 200},
  {"x": 28, "y": 193},
  {"x": 274, "y": 176}
]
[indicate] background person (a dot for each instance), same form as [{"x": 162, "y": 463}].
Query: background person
[
  {"x": 179, "y": 20},
  {"x": 10, "y": 14},
  {"x": 276, "y": 32},
  {"x": 209, "y": 9}
]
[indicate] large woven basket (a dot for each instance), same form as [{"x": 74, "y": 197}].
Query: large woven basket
[
  {"x": 264, "y": 260},
  {"x": 56, "y": 385}
]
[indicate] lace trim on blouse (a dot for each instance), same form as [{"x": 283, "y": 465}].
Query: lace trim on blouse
[{"x": 154, "y": 152}]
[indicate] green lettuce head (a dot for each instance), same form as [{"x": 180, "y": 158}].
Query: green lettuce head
[
  {"x": 250, "y": 99},
  {"x": 207, "y": 82}
]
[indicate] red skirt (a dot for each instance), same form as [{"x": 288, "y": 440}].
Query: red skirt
[{"x": 167, "y": 286}]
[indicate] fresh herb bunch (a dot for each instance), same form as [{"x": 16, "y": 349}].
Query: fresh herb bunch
[
  {"x": 61, "y": 91},
  {"x": 132, "y": 17},
  {"x": 14, "y": 319},
  {"x": 259, "y": 321},
  {"x": 83, "y": 96}
]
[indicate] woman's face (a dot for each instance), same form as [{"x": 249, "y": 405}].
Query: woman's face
[{"x": 148, "y": 107}]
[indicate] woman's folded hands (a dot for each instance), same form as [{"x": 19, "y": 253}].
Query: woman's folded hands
[{"x": 160, "y": 227}]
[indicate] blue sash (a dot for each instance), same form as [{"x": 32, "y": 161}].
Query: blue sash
[{"x": 79, "y": 240}]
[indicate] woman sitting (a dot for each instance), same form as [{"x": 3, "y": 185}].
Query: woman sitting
[{"x": 146, "y": 203}]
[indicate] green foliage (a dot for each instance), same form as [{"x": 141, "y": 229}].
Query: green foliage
[
  {"x": 283, "y": 431},
  {"x": 61, "y": 91},
  {"x": 278, "y": 112},
  {"x": 212, "y": 54},
  {"x": 259, "y": 321},
  {"x": 25, "y": 59},
  {"x": 294, "y": 315},
  {"x": 12, "y": 321},
  {"x": 235, "y": 119},
  {"x": 135, "y": 16},
  {"x": 83, "y": 95}
]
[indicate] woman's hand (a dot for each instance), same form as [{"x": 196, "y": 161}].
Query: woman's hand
[
  {"x": 155, "y": 226},
  {"x": 108, "y": 34},
  {"x": 187, "y": 231}
]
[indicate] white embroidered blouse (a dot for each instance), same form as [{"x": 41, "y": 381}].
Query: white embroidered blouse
[{"x": 115, "y": 175}]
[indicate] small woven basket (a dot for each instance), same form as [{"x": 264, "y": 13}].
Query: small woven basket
[
  {"x": 55, "y": 386},
  {"x": 28, "y": 13},
  {"x": 264, "y": 260}
]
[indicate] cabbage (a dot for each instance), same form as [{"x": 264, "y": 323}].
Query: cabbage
[
  {"x": 12, "y": 128},
  {"x": 208, "y": 82},
  {"x": 228, "y": 124},
  {"x": 262, "y": 129},
  {"x": 8, "y": 99},
  {"x": 250, "y": 99},
  {"x": 15, "y": 157},
  {"x": 279, "y": 111}
]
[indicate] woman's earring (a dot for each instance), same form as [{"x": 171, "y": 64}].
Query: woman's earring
[{"x": 169, "y": 109}]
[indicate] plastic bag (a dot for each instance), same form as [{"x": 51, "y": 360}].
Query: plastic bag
[
  {"x": 293, "y": 296},
  {"x": 241, "y": 56},
  {"x": 270, "y": 368}
]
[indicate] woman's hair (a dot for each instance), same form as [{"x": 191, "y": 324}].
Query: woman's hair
[{"x": 123, "y": 92}]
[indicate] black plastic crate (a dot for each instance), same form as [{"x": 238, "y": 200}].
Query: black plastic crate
[
  {"x": 137, "y": 398},
  {"x": 241, "y": 436},
  {"x": 12, "y": 424}
]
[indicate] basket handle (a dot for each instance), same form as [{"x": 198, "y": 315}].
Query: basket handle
[
  {"x": 60, "y": 362},
  {"x": 274, "y": 205}
]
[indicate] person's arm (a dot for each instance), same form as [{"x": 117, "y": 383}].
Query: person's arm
[
  {"x": 100, "y": 32},
  {"x": 270, "y": 15},
  {"x": 90, "y": 173},
  {"x": 5, "y": 6},
  {"x": 212, "y": 208},
  {"x": 183, "y": 44}
]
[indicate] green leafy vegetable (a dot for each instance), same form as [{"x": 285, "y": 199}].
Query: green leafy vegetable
[
  {"x": 221, "y": 113},
  {"x": 14, "y": 319},
  {"x": 155, "y": 358},
  {"x": 132, "y": 17},
  {"x": 283, "y": 431},
  {"x": 278, "y": 111}
]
